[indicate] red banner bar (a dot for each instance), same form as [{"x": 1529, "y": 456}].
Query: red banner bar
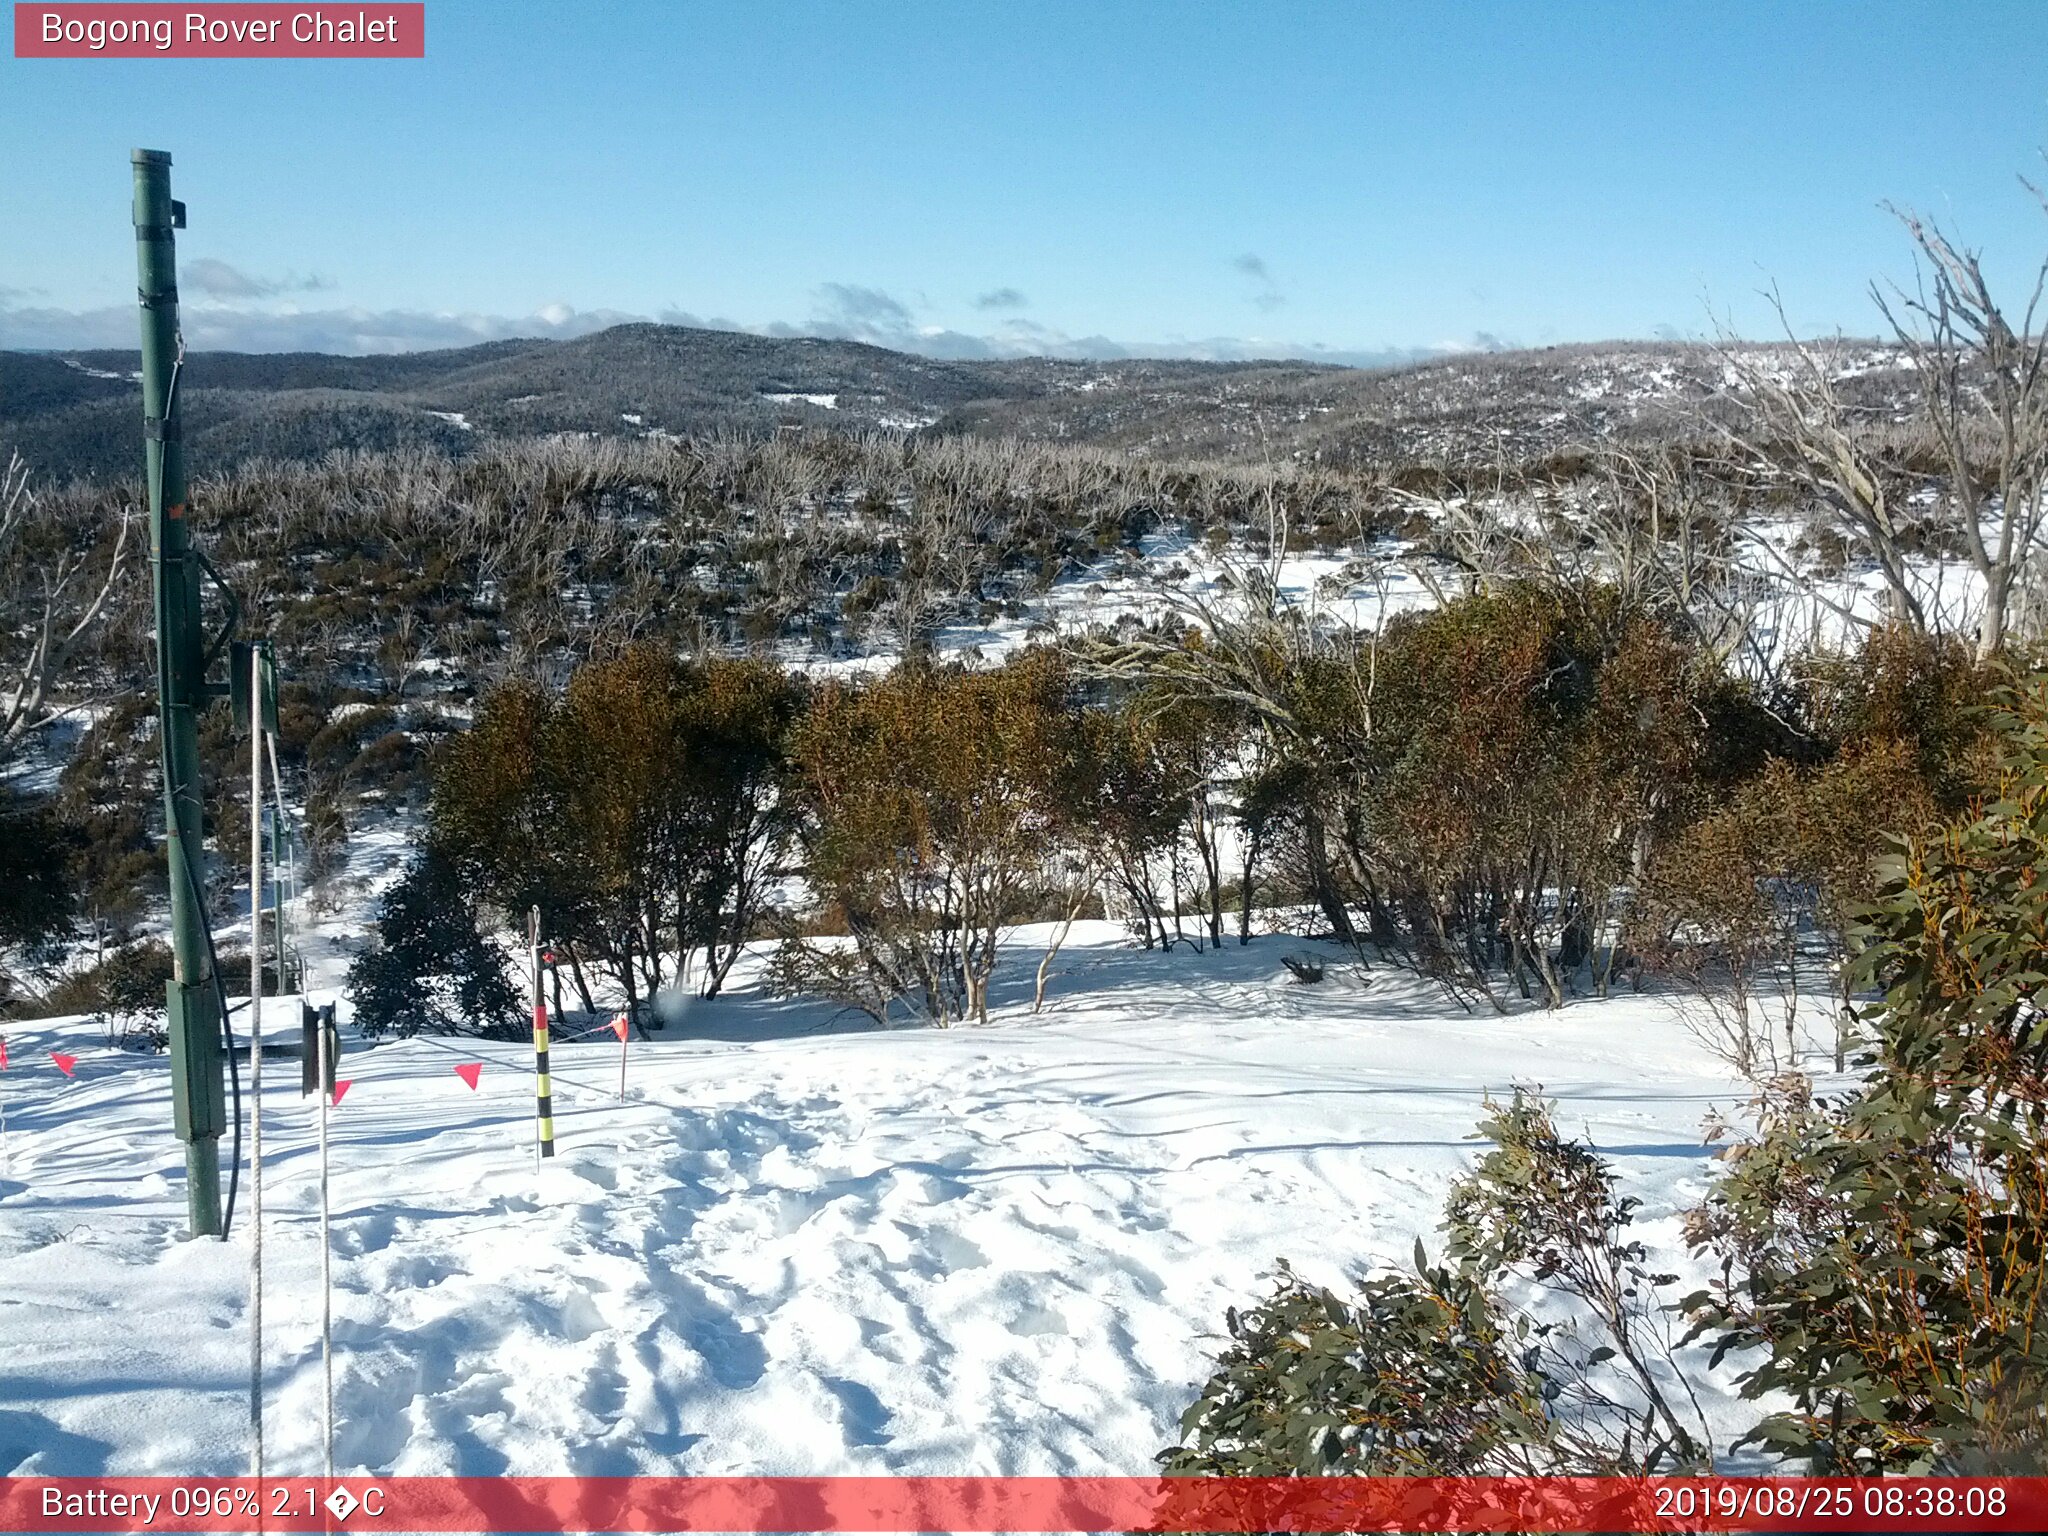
[
  {"x": 113, "y": 29},
  {"x": 1018, "y": 1504}
]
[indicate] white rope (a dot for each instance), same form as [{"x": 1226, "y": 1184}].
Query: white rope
[
  {"x": 326, "y": 1257},
  {"x": 284, "y": 836},
  {"x": 606, "y": 1028},
  {"x": 554, "y": 1075},
  {"x": 255, "y": 1061}
]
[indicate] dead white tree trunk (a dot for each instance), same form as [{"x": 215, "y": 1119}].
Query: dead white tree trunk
[
  {"x": 48, "y": 606},
  {"x": 1984, "y": 399}
]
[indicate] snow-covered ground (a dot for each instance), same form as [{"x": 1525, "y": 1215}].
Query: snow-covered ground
[
  {"x": 1168, "y": 576},
  {"x": 800, "y": 1245},
  {"x": 1781, "y": 597}
]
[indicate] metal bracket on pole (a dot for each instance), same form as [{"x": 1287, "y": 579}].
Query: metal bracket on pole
[{"x": 228, "y": 625}]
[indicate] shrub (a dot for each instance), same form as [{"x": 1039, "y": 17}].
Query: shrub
[
  {"x": 1741, "y": 899},
  {"x": 1889, "y": 1248},
  {"x": 124, "y": 992},
  {"x": 1414, "y": 1375},
  {"x": 1925, "y": 693},
  {"x": 1494, "y": 769},
  {"x": 1435, "y": 1374},
  {"x": 1543, "y": 1207},
  {"x": 37, "y": 896},
  {"x": 1710, "y": 915},
  {"x": 432, "y": 971}
]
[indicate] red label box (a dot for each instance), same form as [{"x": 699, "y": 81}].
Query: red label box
[
  {"x": 1220, "y": 1505},
  {"x": 111, "y": 29}
]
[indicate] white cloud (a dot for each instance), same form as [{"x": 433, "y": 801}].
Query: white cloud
[
  {"x": 226, "y": 328},
  {"x": 222, "y": 281},
  {"x": 842, "y": 311},
  {"x": 1266, "y": 294}
]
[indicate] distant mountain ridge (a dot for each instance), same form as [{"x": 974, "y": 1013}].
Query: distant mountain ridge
[{"x": 76, "y": 414}]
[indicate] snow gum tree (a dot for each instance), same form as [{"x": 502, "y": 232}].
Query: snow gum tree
[
  {"x": 735, "y": 720},
  {"x": 1760, "y": 892},
  {"x": 931, "y": 801},
  {"x": 1493, "y": 792},
  {"x": 612, "y": 794},
  {"x": 1148, "y": 799},
  {"x": 643, "y": 810}
]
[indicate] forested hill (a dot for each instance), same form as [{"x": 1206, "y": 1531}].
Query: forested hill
[{"x": 75, "y": 414}]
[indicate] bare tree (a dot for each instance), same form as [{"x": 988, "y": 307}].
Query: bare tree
[
  {"x": 1256, "y": 641},
  {"x": 403, "y": 651},
  {"x": 1797, "y": 421},
  {"x": 49, "y": 605},
  {"x": 1983, "y": 403},
  {"x": 1986, "y": 402}
]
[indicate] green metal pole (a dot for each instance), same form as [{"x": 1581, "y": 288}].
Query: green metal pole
[{"x": 193, "y": 1013}]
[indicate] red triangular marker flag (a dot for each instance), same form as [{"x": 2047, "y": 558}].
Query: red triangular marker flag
[
  {"x": 3, "y": 1055},
  {"x": 469, "y": 1071},
  {"x": 64, "y": 1063},
  {"x": 619, "y": 1028},
  {"x": 341, "y": 1087}
]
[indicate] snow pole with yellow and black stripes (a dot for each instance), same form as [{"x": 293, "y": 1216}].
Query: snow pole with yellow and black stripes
[{"x": 544, "y": 1094}]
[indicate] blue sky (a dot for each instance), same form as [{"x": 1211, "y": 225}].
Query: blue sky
[{"x": 1209, "y": 179}]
